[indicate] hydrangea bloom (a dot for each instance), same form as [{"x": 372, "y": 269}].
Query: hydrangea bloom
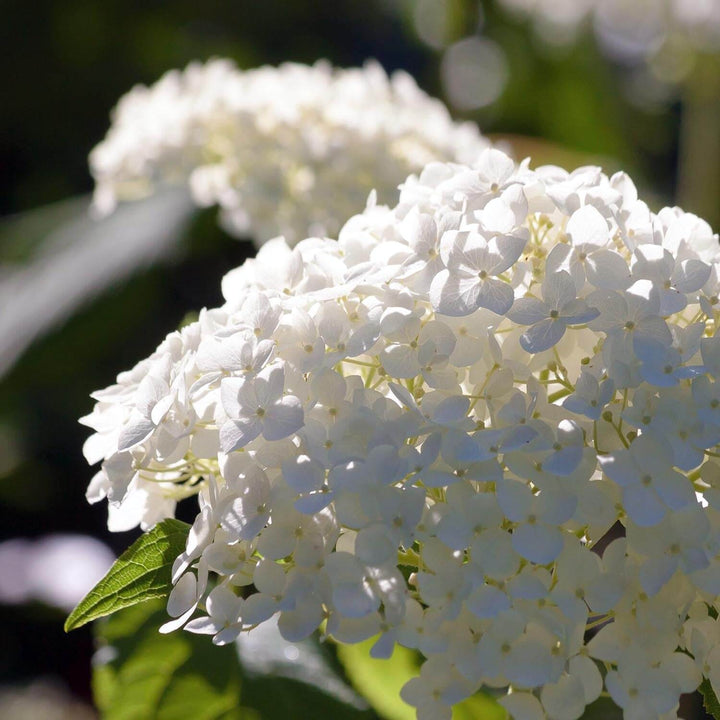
[
  {"x": 424, "y": 431},
  {"x": 651, "y": 21},
  {"x": 292, "y": 150},
  {"x": 634, "y": 30}
]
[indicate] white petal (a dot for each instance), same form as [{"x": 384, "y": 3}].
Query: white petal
[
  {"x": 98, "y": 488},
  {"x": 527, "y": 586},
  {"x": 303, "y": 474},
  {"x": 236, "y": 434},
  {"x": 494, "y": 166},
  {"x": 229, "y": 391},
  {"x": 643, "y": 506},
  {"x": 283, "y": 418},
  {"x": 383, "y": 647},
  {"x": 651, "y": 331},
  {"x": 558, "y": 289},
  {"x": 373, "y": 545},
  {"x": 578, "y": 312},
  {"x": 565, "y": 699},
  {"x": 258, "y": 608},
  {"x": 495, "y": 295},
  {"x": 451, "y": 410},
  {"x": 587, "y": 672},
  {"x": 619, "y": 467},
  {"x": 177, "y": 623},
  {"x": 528, "y": 311},
  {"x": 497, "y": 217},
  {"x": 223, "y": 604},
  {"x": 269, "y": 577},
  {"x": 602, "y": 594},
  {"x": 161, "y": 408},
  {"x": 607, "y": 270},
  {"x": 313, "y": 502},
  {"x": 607, "y": 644},
  {"x": 515, "y": 498},
  {"x": 655, "y": 572},
  {"x": 671, "y": 301},
  {"x": 400, "y": 361},
  {"x": 674, "y": 489},
  {"x": 296, "y": 625},
  {"x": 202, "y": 626},
  {"x": 538, "y": 543},
  {"x": 487, "y": 602},
  {"x": 510, "y": 248},
  {"x": 135, "y": 432},
  {"x": 183, "y": 596},
  {"x": 450, "y": 296},
  {"x": 523, "y": 706},
  {"x": 496, "y": 555},
  {"x": 684, "y": 671},
  {"x": 542, "y": 336},
  {"x": 454, "y": 531},
  {"x": 226, "y": 635},
  {"x": 555, "y": 506},
  {"x": 564, "y": 461},
  {"x": 691, "y": 275},
  {"x": 588, "y": 227}
]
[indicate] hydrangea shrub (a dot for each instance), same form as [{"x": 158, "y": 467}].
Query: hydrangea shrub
[{"x": 482, "y": 424}]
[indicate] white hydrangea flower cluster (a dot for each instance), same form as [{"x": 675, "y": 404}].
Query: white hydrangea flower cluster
[
  {"x": 426, "y": 430},
  {"x": 291, "y": 150}
]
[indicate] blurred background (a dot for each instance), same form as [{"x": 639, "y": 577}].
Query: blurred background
[{"x": 632, "y": 85}]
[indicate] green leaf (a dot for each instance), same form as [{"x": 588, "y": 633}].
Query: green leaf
[
  {"x": 380, "y": 682},
  {"x": 603, "y": 709},
  {"x": 279, "y": 698},
  {"x": 479, "y": 706},
  {"x": 280, "y": 675},
  {"x": 710, "y": 700},
  {"x": 141, "y": 573},
  {"x": 139, "y": 674}
]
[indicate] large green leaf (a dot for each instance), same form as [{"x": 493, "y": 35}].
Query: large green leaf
[
  {"x": 710, "y": 700},
  {"x": 141, "y": 573},
  {"x": 139, "y": 674},
  {"x": 380, "y": 681},
  {"x": 278, "y": 672}
]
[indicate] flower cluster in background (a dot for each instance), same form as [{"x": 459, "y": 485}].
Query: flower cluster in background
[
  {"x": 292, "y": 150},
  {"x": 426, "y": 431},
  {"x": 657, "y": 41},
  {"x": 664, "y": 32}
]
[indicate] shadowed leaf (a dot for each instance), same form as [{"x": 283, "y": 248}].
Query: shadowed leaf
[{"x": 710, "y": 700}]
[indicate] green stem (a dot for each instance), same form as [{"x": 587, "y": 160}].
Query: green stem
[{"x": 564, "y": 392}]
